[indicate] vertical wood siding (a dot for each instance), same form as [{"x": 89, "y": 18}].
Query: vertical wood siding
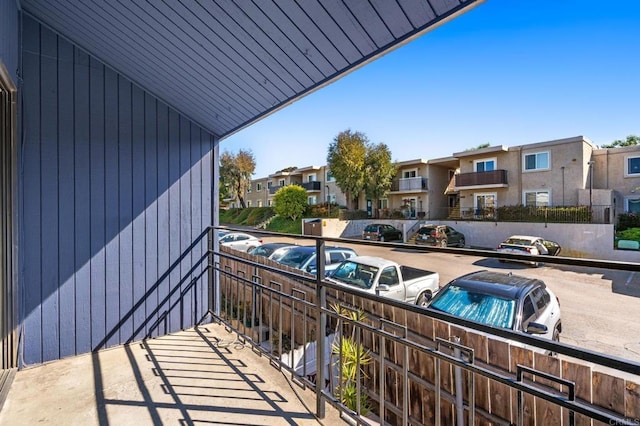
[
  {"x": 116, "y": 186},
  {"x": 9, "y": 41}
]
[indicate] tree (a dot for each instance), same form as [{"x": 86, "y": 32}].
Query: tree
[
  {"x": 632, "y": 140},
  {"x": 482, "y": 145},
  {"x": 379, "y": 172},
  {"x": 235, "y": 173},
  {"x": 290, "y": 201},
  {"x": 346, "y": 159}
]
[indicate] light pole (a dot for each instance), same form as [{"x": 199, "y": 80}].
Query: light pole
[
  {"x": 590, "y": 163},
  {"x": 328, "y": 202}
]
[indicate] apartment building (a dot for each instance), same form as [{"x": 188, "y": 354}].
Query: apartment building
[
  {"x": 316, "y": 180},
  {"x": 563, "y": 172}
]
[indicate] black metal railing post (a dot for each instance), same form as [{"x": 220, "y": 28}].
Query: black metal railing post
[{"x": 321, "y": 319}]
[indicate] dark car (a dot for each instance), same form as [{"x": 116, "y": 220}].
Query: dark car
[
  {"x": 273, "y": 251},
  {"x": 381, "y": 232},
  {"x": 502, "y": 300},
  {"x": 440, "y": 235}
]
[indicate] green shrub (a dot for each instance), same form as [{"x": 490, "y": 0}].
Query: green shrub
[
  {"x": 290, "y": 201},
  {"x": 286, "y": 225},
  {"x": 629, "y": 234},
  {"x": 628, "y": 220},
  {"x": 577, "y": 214}
]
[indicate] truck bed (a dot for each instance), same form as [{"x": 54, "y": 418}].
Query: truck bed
[{"x": 410, "y": 273}]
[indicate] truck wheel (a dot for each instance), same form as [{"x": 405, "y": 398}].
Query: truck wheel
[{"x": 423, "y": 299}]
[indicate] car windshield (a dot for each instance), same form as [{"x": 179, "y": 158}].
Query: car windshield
[
  {"x": 355, "y": 274},
  {"x": 261, "y": 251},
  {"x": 483, "y": 308},
  {"x": 296, "y": 258},
  {"x": 371, "y": 228}
]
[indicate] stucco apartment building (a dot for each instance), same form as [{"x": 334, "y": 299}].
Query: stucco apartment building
[{"x": 563, "y": 172}]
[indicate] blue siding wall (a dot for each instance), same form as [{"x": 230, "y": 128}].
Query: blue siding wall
[
  {"x": 9, "y": 42},
  {"x": 116, "y": 186}
]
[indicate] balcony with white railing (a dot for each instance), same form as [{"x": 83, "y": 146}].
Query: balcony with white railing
[{"x": 413, "y": 184}]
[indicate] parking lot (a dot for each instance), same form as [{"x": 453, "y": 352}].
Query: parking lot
[{"x": 600, "y": 308}]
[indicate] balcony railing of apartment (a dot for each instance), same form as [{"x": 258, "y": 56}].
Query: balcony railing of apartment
[
  {"x": 555, "y": 214},
  {"x": 493, "y": 177},
  {"x": 409, "y": 184},
  {"x": 312, "y": 186},
  {"x": 403, "y": 364},
  {"x": 273, "y": 189}
]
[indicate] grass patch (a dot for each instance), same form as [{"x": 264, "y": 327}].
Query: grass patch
[{"x": 286, "y": 225}]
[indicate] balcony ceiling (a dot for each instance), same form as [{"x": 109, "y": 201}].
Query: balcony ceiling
[{"x": 225, "y": 63}]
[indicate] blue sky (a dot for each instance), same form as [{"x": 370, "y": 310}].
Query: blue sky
[{"x": 508, "y": 72}]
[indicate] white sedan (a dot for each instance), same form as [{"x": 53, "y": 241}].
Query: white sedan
[
  {"x": 528, "y": 245},
  {"x": 240, "y": 241}
]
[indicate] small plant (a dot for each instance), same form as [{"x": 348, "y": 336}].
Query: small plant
[{"x": 351, "y": 358}]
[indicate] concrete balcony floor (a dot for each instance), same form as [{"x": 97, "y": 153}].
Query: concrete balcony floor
[{"x": 198, "y": 376}]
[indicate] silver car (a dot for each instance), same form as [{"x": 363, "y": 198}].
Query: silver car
[{"x": 240, "y": 241}]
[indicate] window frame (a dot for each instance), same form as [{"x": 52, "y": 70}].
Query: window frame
[
  {"x": 626, "y": 166},
  {"x": 536, "y": 169},
  {"x": 410, "y": 171},
  {"x": 536, "y": 191},
  {"x": 485, "y": 160},
  {"x": 258, "y": 186}
]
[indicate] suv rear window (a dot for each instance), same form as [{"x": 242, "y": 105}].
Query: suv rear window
[{"x": 428, "y": 231}]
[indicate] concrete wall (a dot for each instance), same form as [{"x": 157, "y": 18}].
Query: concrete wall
[{"x": 594, "y": 241}]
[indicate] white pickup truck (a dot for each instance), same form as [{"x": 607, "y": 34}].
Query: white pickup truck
[{"x": 386, "y": 278}]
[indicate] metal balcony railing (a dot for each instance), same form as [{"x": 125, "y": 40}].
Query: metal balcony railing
[
  {"x": 409, "y": 184},
  {"x": 494, "y": 177},
  {"x": 312, "y": 186},
  {"x": 410, "y": 369}
]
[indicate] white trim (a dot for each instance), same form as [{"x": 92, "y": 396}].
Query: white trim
[
  {"x": 484, "y": 160},
  {"x": 476, "y": 194},
  {"x": 626, "y": 166},
  {"x": 409, "y": 171},
  {"x": 537, "y": 169},
  {"x": 526, "y": 191}
]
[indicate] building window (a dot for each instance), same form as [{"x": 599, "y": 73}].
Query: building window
[
  {"x": 281, "y": 182},
  {"x": 632, "y": 205},
  {"x": 330, "y": 177},
  {"x": 269, "y": 203},
  {"x": 536, "y": 161},
  {"x": 485, "y": 204},
  {"x": 487, "y": 165},
  {"x": 332, "y": 198},
  {"x": 632, "y": 166},
  {"x": 248, "y": 203},
  {"x": 311, "y": 178},
  {"x": 406, "y": 174},
  {"x": 383, "y": 203},
  {"x": 258, "y": 187},
  {"x": 249, "y": 188},
  {"x": 312, "y": 200},
  {"x": 259, "y": 203},
  {"x": 537, "y": 198},
  {"x": 269, "y": 184}
]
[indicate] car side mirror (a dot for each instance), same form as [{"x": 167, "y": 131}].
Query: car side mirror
[
  {"x": 382, "y": 287},
  {"x": 536, "y": 328}
]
